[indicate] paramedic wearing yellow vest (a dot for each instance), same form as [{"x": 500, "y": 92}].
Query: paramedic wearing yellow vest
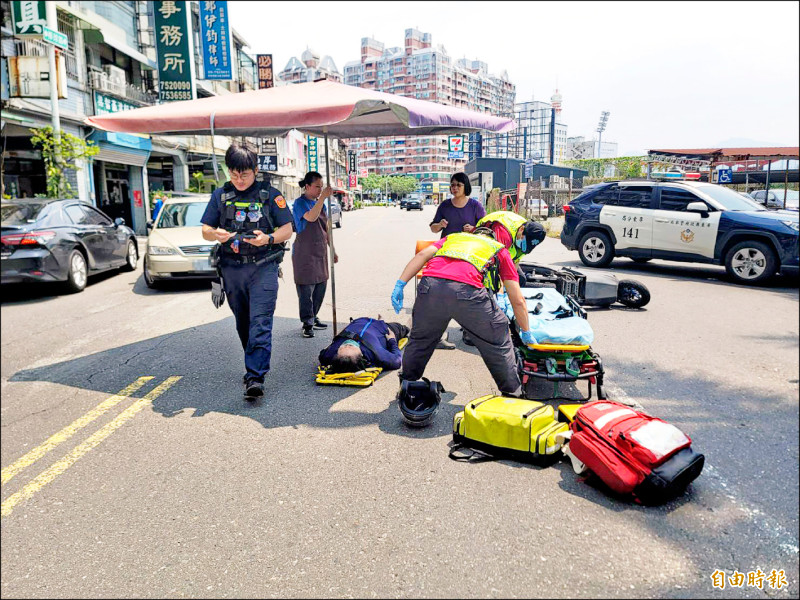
[
  {"x": 458, "y": 270},
  {"x": 516, "y": 233}
]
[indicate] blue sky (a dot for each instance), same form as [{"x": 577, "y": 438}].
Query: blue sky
[{"x": 672, "y": 74}]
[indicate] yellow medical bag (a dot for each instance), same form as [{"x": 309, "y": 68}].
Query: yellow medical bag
[{"x": 503, "y": 427}]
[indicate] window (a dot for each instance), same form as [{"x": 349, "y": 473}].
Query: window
[
  {"x": 95, "y": 217},
  {"x": 76, "y": 214},
  {"x": 635, "y": 196},
  {"x": 607, "y": 195},
  {"x": 676, "y": 199}
]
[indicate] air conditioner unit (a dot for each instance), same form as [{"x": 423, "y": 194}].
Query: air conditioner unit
[
  {"x": 115, "y": 75},
  {"x": 99, "y": 81}
]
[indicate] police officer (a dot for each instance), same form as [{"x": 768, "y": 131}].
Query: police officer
[
  {"x": 251, "y": 221},
  {"x": 462, "y": 271}
]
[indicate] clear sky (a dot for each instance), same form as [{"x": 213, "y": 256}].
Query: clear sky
[{"x": 672, "y": 74}]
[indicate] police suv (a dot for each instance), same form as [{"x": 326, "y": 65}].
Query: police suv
[{"x": 675, "y": 217}]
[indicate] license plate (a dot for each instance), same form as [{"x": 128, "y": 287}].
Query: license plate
[{"x": 202, "y": 264}]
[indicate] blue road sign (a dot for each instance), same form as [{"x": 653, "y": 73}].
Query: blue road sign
[{"x": 725, "y": 176}]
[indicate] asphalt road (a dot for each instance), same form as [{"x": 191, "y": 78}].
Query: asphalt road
[{"x": 179, "y": 488}]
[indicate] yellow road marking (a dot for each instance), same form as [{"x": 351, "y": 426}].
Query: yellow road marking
[
  {"x": 62, "y": 465},
  {"x": 62, "y": 436}
]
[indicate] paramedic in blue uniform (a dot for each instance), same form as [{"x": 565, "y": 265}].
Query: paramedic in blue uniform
[{"x": 251, "y": 221}]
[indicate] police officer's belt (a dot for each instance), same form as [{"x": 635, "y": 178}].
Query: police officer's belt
[{"x": 273, "y": 255}]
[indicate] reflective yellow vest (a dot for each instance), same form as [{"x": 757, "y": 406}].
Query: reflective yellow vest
[
  {"x": 477, "y": 250},
  {"x": 512, "y": 222}
]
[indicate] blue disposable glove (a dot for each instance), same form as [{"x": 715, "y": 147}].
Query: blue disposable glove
[
  {"x": 397, "y": 295},
  {"x": 527, "y": 337}
]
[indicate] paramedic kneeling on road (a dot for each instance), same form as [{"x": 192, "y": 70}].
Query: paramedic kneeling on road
[
  {"x": 251, "y": 221},
  {"x": 454, "y": 285}
]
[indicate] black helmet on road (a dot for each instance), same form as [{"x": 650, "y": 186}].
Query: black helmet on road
[{"x": 419, "y": 400}]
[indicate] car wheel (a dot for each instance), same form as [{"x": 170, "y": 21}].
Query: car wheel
[
  {"x": 641, "y": 261},
  {"x": 339, "y": 223},
  {"x": 77, "y": 273},
  {"x": 131, "y": 257},
  {"x": 596, "y": 249},
  {"x": 149, "y": 281},
  {"x": 750, "y": 262}
]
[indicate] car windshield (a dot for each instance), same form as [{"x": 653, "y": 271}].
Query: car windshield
[
  {"x": 21, "y": 213},
  {"x": 181, "y": 214},
  {"x": 729, "y": 199}
]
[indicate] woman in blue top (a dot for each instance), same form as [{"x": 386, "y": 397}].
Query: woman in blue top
[
  {"x": 459, "y": 213},
  {"x": 310, "y": 250}
]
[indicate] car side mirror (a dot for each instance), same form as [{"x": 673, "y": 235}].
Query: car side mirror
[
  {"x": 699, "y": 207},
  {"x": 119, "y": 221}
]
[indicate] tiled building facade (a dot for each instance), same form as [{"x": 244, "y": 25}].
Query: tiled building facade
[{"x": 421, "y": 71}]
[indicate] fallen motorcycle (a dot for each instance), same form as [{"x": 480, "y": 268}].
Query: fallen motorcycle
[{"x": 596, "y": 289}]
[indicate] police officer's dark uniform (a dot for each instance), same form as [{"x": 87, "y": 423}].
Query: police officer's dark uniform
[{"x": 250, "y": 275}]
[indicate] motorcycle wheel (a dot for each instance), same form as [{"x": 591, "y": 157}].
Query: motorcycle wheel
[{"x": 632, "y": 294}]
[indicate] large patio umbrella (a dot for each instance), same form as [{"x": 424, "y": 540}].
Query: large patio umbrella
[{"x": 324, "y": 108}]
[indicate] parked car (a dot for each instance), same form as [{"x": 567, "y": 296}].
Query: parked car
[
  {"x": 176, "y": 249},
  {"x": 62, "y": 240},
  {"x": 414, "y": 203},
  {"x": 336, "y": 213},
  {"x": 774, "y": 198},
  {"x": 684, "y": 221}
]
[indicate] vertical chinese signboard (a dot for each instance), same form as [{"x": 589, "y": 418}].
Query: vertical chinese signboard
[
  {"x": 29, "y": 18},
  {"x": 312, "y": 154},
  {"x": 264, "y": 66},
  {"x": 174, "y": 46},
  {"x": 215, "y": 40}
]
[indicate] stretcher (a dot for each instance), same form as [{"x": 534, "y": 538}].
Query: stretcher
[
  {"x": 567, "y": 356},
  {"x": 363, "y": 378}
]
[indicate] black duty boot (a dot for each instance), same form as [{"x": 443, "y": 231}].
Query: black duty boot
[
  {"x": 319, "y": 324},
  {"x": 253, "y": 390},
  {"x": 308, "y": 332}
]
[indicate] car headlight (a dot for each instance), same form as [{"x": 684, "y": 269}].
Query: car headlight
[
  {"x": 793, "y": 224},
  {"x": 160, "y": 250}
]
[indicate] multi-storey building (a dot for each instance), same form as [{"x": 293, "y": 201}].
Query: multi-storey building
[
  {"x": 110, "y": 65},
  {"x": 579, "y": 148},
  {"x": 531, "y": 138},
  {"x": 419, "y": 70},
  {"x": 309, "y": 68}
]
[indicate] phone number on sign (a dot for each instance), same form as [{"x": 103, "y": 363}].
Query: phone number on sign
[
  {"x": 175, "y": 95},
  {"x": 176, "y": 85}
]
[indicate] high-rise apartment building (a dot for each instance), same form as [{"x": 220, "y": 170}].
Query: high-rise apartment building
[
  {"x": 531, "y": 138},
  {"x": 309, "y": 68},
  {"x": 419, "y": 70}
]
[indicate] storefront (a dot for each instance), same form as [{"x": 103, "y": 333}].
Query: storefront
[
  {"x": 119, "y": 177},
  {"x": 24, "y": 173}
]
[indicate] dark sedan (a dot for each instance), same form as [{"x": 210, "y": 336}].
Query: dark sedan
[
  {"x": 413, "y": 204},
  {"x": 62, "y": 240}
]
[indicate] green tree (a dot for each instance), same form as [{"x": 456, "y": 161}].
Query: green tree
[
  {"x": 197, "y": 182},
  {"x": 403, "y": 184},
  {"x": 60, "y": 156}
]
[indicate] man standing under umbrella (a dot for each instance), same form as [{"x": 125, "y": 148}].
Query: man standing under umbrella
[{"x": 251, "y": 221}]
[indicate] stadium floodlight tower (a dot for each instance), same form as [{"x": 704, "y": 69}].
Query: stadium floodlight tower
[{"x": 601, "y": 127}]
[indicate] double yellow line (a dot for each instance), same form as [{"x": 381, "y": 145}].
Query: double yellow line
[{"x": 92, "y": 441}]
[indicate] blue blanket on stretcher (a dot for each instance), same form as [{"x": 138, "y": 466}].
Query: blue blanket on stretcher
[{"x": 544, "y": 307}]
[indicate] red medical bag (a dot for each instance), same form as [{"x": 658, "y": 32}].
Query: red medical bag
[{"x": 634, "y": 453}]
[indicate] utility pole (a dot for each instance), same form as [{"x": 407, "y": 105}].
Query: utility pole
[{"x": 52, "y": 23}]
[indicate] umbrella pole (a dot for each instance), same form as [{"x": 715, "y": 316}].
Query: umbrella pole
[{"x": 330, "y": 233}]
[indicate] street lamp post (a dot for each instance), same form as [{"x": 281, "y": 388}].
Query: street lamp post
[{"x": 601, "y": 127}]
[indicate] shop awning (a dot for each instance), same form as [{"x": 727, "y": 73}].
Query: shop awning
[{"x": 94, "y": 26}]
